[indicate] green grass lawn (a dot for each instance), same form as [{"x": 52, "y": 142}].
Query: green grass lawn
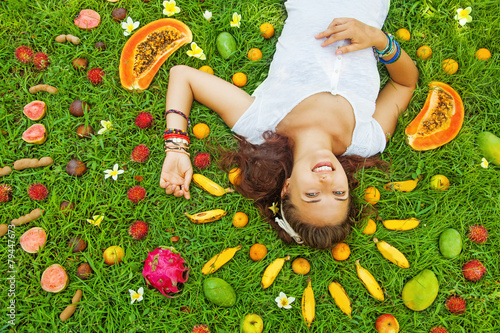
[{"x": 473, "y": 197}]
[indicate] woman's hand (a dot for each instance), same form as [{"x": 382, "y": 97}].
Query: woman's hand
[
  {"x": 362, "y": 36},
  {"x": 176, "y": 174}
]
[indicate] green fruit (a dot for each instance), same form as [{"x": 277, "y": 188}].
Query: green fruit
[
  {"x": 450, "y": 243},
  {"x": 226, "y": 45},
  {"x": 421, "y": 291},
  {"x": 219, "y": 292},
  {"x": 489, "y": 145}
]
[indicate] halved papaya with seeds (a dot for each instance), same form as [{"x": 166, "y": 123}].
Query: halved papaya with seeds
[
  {"x": 148, "y": 48},
  {"x": 439, "y": 121}
]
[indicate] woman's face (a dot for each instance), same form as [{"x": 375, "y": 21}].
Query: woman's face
[{"x": 319, "y": 189}]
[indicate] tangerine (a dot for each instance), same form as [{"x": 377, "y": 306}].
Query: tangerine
[
  {"x": 240, "y": 220},
  {"x": 207, "y": 69},
  {"x": 301, "y": 266},
  {"x": 239, "y": 79},
  {"x": 201, "y": 130},
  {"x": 235, "y": 176},
  {"x": 258, "y": 251},
  {"x": 341, "y": 251},
  {"x": 424, "y": 52},
  {"x": 370, "y": 228},
  {"x": 267, "y": 30},
  {"x": 254, "y": 54},
  {"x": 403, "y": 34},
  {"x": 450, "y": 66},
  {"x": 483, "y": 54},
  {"x": 372, "y": 195}
]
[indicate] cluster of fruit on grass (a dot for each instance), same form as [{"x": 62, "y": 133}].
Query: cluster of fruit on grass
[
  {"x": 25, "y": 55},
  {"x": 36, "y": 191}
]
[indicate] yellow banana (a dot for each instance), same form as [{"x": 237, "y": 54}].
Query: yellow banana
[
  {"x": 272, "y": 271},
  {"x": 392, "y": 254},
  {"x": 340, "y": 297},
  {"x": 401, "y": 225},
  {"x": 369, "y": 281},
  {"x": 219, "y": 259},
  {"x": 209, "y": 185},
  {"x": 308, "y": 304},
  {"x": 403, "y": 186},
  {"x": 207, "y": 216}
]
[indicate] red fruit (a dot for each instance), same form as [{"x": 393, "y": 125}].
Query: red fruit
[
  {"x": 139, "y": 178},
  {"x": 37, "y": 192},
  {"x": 138, "y": 230},
  {"x": 201, "y": 160},
  {"x": 455, "y": 304},
  {"x": 473, "y": 270},
  {"x": 140, "y": 154},
  {"x": 136, "y": 194},
  {"x": 41, "y": 60},
  {"x": 144, "y": 120},
  {"x": 95, "y": 75},
  {"x": 478, "y": 234},
  {"x": 438, "y": 329},
  {"x": 201, "y": 329},
  {"x": 5, "y": 193},
  {"x": 24, "y": 54}
]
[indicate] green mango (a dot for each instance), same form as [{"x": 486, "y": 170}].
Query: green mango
[
  {"x": 450, "y": 243},
  {"x": 489, "y": 145},
  {"x": 421, "y": 291},
  {"x": 226, "y": 45},
  {"x": 219, "y": 292}
]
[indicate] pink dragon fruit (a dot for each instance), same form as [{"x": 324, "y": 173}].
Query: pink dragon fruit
[{"x": 164, "y": 269}]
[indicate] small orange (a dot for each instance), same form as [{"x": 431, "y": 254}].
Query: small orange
[
  {"x": 424, "y": 52},
  {"x": 372, "y": 195},
  {"x": 370, "y": 228},
  {"x": 483, "y": 54},
  {"x": 234, "y": 176},
  {"x": 201, "y": 130},
  {"x": 267, "y": 30},
  {"x": 341, "y": 251},
  {"x": 254, "y": 54},
  {"x": 258, "y": 251},
  {"x": 403, "y": 34},
  {"x": 450, "y": 66},
  {"x": 240, "y": 220},
  {"x": 239, "y": 79},
  {"x": 301, "y": 266},
  {"x": 207, "y": 69}
]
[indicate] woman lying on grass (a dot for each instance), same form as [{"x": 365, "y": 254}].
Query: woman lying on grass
[{"x": 315, "y": 120}]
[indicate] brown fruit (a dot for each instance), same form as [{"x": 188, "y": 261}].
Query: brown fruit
[
  {"x": 80, "y": 63},
  {"x": 119, "y": 14},
  {"x": 84, "y": 131},
  {"x": 100, "y": 46},
  {"x": 78, "y": 108},
  {"x": 65, "y": 207},
  {"x": 77, "y": 244},
  {"x": 84, "y": 271},
  {"x": 76, "y": 168}
]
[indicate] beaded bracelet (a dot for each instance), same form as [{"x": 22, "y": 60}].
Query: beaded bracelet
[
  {"x": 393, "y": 59},
  {"x": 390, "y": 38},
  {"x": 177, "y": 142},
  {"x": 176, "y": 133},
  {"x": 180, "y": 114}
]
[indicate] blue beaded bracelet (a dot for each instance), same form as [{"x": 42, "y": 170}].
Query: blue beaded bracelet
[
  {"x": 180, "y": 114},
  {"x": 387, "y": 48},
  {"x": 393, "y": 59}
]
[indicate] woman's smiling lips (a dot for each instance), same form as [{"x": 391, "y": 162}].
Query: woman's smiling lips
[{"x": 323, "y": 167}]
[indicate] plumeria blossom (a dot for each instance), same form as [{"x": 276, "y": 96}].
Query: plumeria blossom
[
  {"x": 106, "y": 126},
  {"x": 207, "y": 15},
  {"x": 283, "y": 301},
  {"x": 236, "y": 22},
  {"x": 96, "y": 220},
  {"x": 484, "y": 163},
  {"x": 129, "y": 26},
  {"x": 113, "y": 173},
  {"x": 196, "y": 52},
  {"x": 274, "y": 208},
  {"x": 463, "y": 16},
  {"x": 170, "y": 8},
  {"x": 136, "y": 296}
]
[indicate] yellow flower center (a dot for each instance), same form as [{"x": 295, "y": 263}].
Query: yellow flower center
[{"x": 284, "y": 301}]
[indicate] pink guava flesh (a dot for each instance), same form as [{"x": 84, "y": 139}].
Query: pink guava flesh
[
  {"x": 35, "y": 110},
  {"x": 33, "y": 240},
  {"x": 87, "y": 19},
  {"x": 54, "y": 279}
]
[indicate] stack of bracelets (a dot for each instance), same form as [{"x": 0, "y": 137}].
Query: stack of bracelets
[
  {"x": 176, "y": 140},
  {"x": 392, "y": 45}
]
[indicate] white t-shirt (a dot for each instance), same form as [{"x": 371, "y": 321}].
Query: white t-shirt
[{"x": 301, "y": 68}]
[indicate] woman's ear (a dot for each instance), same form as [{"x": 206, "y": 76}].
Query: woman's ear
[{"x": 286, "y": 188}]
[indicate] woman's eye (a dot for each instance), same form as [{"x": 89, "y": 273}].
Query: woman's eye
[
  {"x": 311, "y": 195},
  {"x": 339, "y": 192}
]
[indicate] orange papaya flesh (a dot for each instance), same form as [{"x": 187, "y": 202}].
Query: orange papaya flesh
[
  {"x": 439, "y": 121},
  {"x": 148, "y": 48}
]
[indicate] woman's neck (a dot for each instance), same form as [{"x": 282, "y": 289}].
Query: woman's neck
[{"x": 307, "y": 139}]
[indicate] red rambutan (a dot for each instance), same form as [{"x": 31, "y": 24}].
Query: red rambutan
[
  {"x": 201, "y": 329},
  {"x": 478, "y": 234},
  {"x": 136, "y": 194},
  {"x": 41, "y": 60},
  {"x": 138, "y": 230},
  {"x": 438, "y": 329},
  {"x": 473, "y": 270},
  {"x": 144, "y": 120},
  {"x": 95, "y": 75},
  {"x": 5, "y": 193},
  {"x": 24, "y": 54},
  {"x": 455, "y": 304},
  {"x": 37, "y": 192},
  {"x": 140, "y": 154},
  {"x": 201, "y": 160}
]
